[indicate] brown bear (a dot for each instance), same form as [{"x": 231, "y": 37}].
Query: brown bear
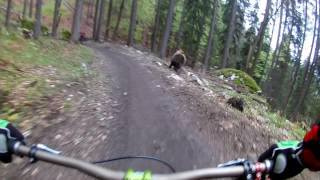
[{"x": 178, "y": 60}]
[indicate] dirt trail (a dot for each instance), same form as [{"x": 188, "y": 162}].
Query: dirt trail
[
  {"x": 152, "y": 121},
  {"x": 131, "y": 106}
]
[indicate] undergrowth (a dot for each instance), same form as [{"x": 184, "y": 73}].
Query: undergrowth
[
  {"x": 257, "y": 107},
  {"x": 33, "y": 69}
]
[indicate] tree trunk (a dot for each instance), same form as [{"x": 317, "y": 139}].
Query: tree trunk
[
  {"x": 248, "y": 59},
  {"x": 165, "y": 38},
  {"x": 37, "y": 24},
  {"x": 132, "y": 26},
  {"x": 180, "y": 31},
  {"x": 24, "y": 10},
  {"x": 228, "y": 37},
  {"x": 268, "y": 54},
  {"x": 211, "y": 41},
  {"x": 118, "y": 19},
  {"x": 277, "y": 44},
  {"x": 56, "y": 18},
  {"x": 108, "y": 20},
  {"x": 96, "y": 19},
  {"x": 305, "y": 73},
  {"x": 76, "y": 22},
  {"x": 276, "y": 81},
  {"x": 90, "y": 9},
  {"x": 305, "y": 89},
  {"x": 312, "y": 45},
  {"x": 292, "y": 82},
  {"x": 100, "y": 19},
  {"x": 8, "y": 13},
  {"x": 287, "y": 59},
  {"x": 155, "y": 27},
  {"x": 308, "y": 74},
  {"x": 259, "y": 40},
  {"x": 31, "y": 9},
  {"x": 283, "y": 34}
]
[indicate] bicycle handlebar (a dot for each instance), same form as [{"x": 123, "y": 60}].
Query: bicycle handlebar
[
  {"x": 90, "y": 169},
  {"x": 102, "y": 173}
]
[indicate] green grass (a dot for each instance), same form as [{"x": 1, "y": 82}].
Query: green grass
[
  {"x": 45, "y": 52},
  {"x": 296, "y": 130},
  {"x": 256, "y": 107},
  {"x": 48, "y": 9},
  {"x": 39, "y": 63},
  {"x": 299, "y": 132},
  {"x": 277, "y": 120},
  {"x": 2, "y": 13}
]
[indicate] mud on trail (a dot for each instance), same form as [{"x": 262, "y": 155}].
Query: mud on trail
[{"x": 132, "y": 105}]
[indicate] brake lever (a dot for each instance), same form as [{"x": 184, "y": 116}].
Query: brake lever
[
  {"x": 47, "y": 149},
  {"x": 235, "y": 162},
  {"x": 40, "y": 147}
]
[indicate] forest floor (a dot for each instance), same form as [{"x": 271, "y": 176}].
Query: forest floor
[{"x": 132, "y": 104}]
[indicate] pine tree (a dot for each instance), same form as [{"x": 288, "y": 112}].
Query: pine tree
[
  {"x": 194, "y": 22},
  {"x": 100, "y": 20},
  {"x": 37, "y": 24},
  {"x": 118, "y": 18},
  {"x": 31, "y": 9},
  {"x": 211, "y": 40},
  {"x": 24, "y": 10},
  {"x": 108, "y": 20},
  {"x": 8, "y": 13},
  {"x": 225, "y": 60},
  {"x": 133, "y": 22},
  {"x": 75, "y": 31},
  {"x": 155, "y": 27},
  {"x": 56, "y": 18},
  {"x": 165, "y": 38},
  {"x": 258, "y": 42}
]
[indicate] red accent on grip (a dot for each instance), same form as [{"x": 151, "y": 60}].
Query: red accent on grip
[
  {"x": 258, "y": 176},
  {"x": 312, "y": 134},
  {"x": 259, "y": 167},
  {"x": 308, "y": 154}
]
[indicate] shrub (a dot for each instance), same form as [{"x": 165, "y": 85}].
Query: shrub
[
  {"x": 28, "y": 24},
  {"x": 45, "y": 30},
  {"x": 241, "y": 78},
  {"x": 66, "y": 35}
]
